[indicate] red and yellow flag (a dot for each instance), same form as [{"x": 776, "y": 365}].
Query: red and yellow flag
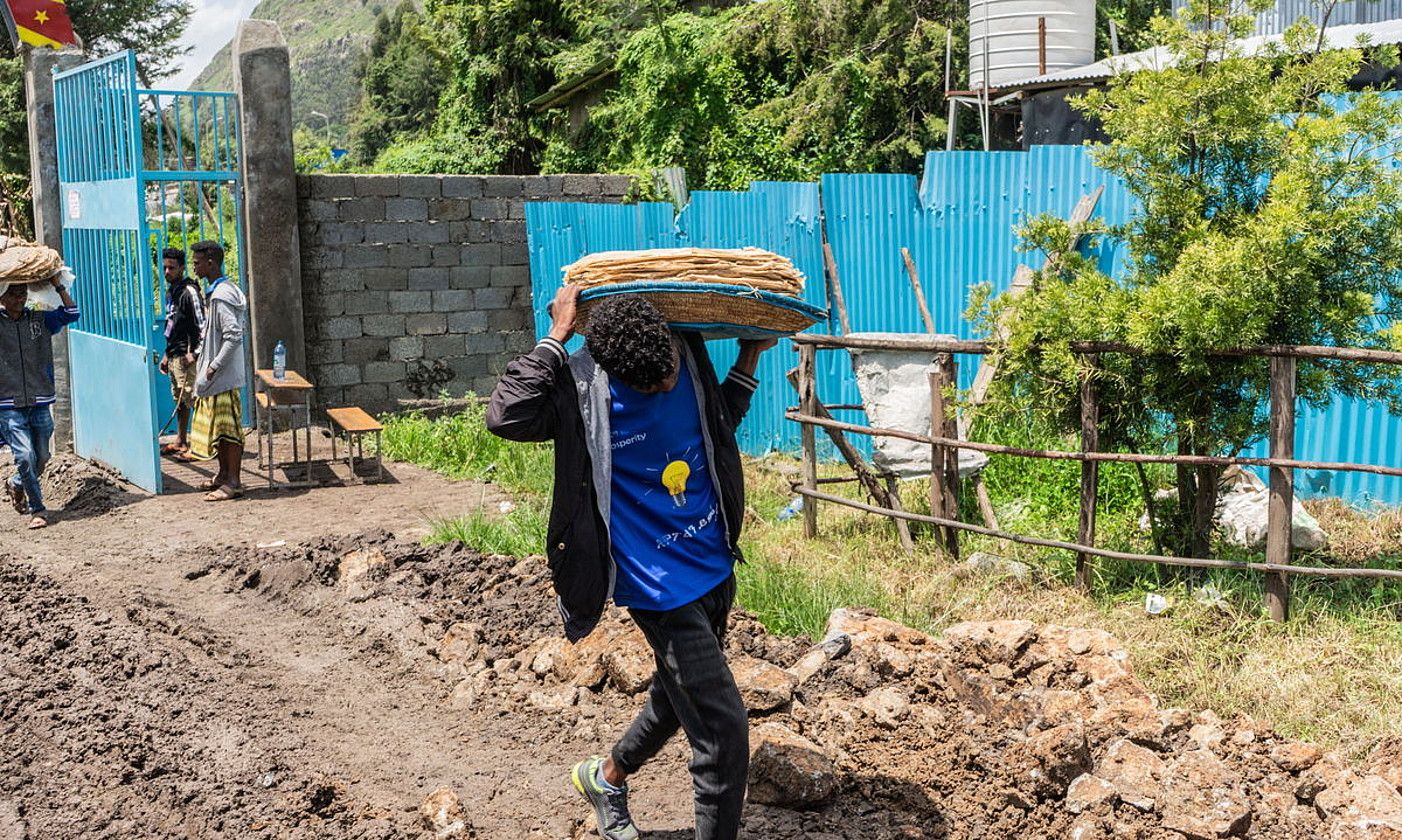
[{"x": 42, "y": 23}]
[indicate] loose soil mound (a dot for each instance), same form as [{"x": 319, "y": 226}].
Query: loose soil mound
[
  {"x": 77, "y": 487},
  {"x": 995, "y": 730}
]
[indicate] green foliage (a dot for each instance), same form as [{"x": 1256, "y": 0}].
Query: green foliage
[
  {"x": 400, "y": 82},
  {"x": 520, "y": 533},
  {"x": 459, "y": 446},
  {"x": 1270, "y": 213}
]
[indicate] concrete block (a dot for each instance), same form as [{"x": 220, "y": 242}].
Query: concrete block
[
  {"x": 385, "y": 279},
  {"x": 481, "y": 253},
  {"x": 616, "y": 186},
  {"x": 511, "y": 276},
  {"x": 582, "y": 185},
  {"x": 484, "y": 384},
  {"x": 406, "y": 209},
  {"x": 326, "y": 186},
  {"x": 430, "y": 279},
  {"x": 410, "y": 301},
  {"x": 502, "y": 186},
  {"x": 365, "y": 256},
  {"x": 462, "y": 186},
  {"x": 428, "y": 233},
  {"x": 384, "y": 233},
  {"x": 421, "y": 186},
  {"x": 537, "y": 186},
  {"x": 318, "y": 210},
  {"x": 507, "y": 231},
  {"x": 427, "y": 323},
  {"x": 341, "y": 328},
  {"x": 515, "y": 253},
  {"x": 475, "y": 231},
  {"x": 384, "y": 372},
  {"x": 449, "y": 209},
  {"x": 338, "y": 280},
  {"x": 470, "y": 276},
  {"x": 325, "y": 352},
  {"x": 365, "y": 209},
  {"x": 469, "y": 367},
  {"x": 489, "y": 208},
  {"x": 470, "y": 322},
  {"x": 517, "y": 210},
  {"x": 410, "y": 256},
  {"x": 446, "y": 256},
  {"x": 371, "y": 396},
  {"x": 319, "y": 304},
  {"x": 387, "y": 326},
  {"x": 508, "y": 320},
  {"x": 359, "y": 351},
  {"x": 321, "y": 258},
  {"x": 377, "y": 185},
  {"x": 338, "y": 376},
  {"x": 444, "y": 346},
  {"x": 494, "y": 297},
  {"x": 405, "y": 348},
  {"x": 340, "y": 233},
  {"x": 367, "y": 302},
  {"x": 455, "y": 300}
]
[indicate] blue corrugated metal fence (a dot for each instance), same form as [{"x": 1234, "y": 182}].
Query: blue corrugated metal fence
[{"x": 959, "y": 223}]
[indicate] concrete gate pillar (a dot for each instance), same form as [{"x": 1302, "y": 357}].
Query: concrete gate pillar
[
  {"x": 263, "y": 79},
  {"x": 39, "y": 66}
]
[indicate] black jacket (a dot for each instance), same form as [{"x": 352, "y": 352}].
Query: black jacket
[
  {"x": 545, "y": 395},
  {"x": 184, "y": 319}
]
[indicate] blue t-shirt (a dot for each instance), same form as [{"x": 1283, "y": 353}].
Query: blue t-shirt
[{"x": 667, "y": 529}]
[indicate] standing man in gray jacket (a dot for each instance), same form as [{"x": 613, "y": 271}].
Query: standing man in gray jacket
[
  {"x": 217, "y": 428},
  {"x": 27, "y": 391}
]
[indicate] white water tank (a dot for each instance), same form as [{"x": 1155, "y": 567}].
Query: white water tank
[{"x": 1015, "y": 40}]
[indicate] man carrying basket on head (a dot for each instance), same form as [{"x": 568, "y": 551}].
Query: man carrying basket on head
[
  {"x": 27, "y": 386},
  {"x": 649, "y": 500}
]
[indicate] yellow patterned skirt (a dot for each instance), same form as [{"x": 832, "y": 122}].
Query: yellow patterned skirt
[{"x": 218, "y": 419}]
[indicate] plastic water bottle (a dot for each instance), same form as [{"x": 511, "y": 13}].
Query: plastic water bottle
[
  {"x": 280, "y": 362},
  {"x": 792, "y": 509}
]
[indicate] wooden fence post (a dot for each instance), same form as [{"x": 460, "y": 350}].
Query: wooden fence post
[
  {"x": 1090, "y": 470},
  {"x": 808, "y": 402},
  {"x": 944, "y": 460},
  {"x": 1281, "y": 513}
]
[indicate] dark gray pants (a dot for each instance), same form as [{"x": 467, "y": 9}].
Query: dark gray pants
[{"x": 694, "y": 690}]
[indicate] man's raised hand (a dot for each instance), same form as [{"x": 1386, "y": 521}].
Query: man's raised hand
[{"x": 562, "y": 313}]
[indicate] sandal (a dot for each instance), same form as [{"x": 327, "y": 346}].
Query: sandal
[
  {"x": 170, "y": 450},
  {"x": 224, "y": 493},
  {"x": 40, "y": 520},
  {"x": 17, "y": 497}
]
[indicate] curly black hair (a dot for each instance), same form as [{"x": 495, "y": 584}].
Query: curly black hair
[{"x": 630, "y": 340}]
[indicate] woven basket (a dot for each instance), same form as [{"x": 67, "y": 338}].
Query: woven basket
[{"x": 713, "y": 309}]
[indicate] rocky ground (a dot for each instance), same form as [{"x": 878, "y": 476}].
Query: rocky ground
[{"x": 266, "y": 682}]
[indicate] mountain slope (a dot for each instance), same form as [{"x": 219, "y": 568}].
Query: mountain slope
[{"x": 325, "y": 39}]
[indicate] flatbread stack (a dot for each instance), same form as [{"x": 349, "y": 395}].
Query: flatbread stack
[
  {"x": 25, "y": 262},
  {"x": 722, "y": 293}
]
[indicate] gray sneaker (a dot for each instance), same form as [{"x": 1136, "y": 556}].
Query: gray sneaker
[{"x": 610, "y": 807}]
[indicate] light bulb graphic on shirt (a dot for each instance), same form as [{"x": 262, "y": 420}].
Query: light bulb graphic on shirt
[{"x": 674, "y": 479}]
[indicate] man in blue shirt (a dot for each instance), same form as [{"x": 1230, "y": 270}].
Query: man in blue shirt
[
  {"x": 649, "y": 499},
  {"x": 27, "y": 391}
]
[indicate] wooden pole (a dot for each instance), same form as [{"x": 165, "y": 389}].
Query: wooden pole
[
  {"x": 1042, "y": 46},
  {"x": 1090, "y": 470},
  {"x": 1282, "y": 502},
  {"x": 919, "y": 292},
  {"x": 807, "y": 378},
  {"x": 837, "y": 299},
  {"x": 944, "y": 458}
]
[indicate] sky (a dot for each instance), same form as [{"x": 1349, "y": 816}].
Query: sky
[{"x": 211, "y": 27}]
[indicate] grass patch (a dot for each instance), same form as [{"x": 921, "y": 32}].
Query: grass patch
[
  {"x": 459, "y": 446},
  {"x": 519, "y": 533}
]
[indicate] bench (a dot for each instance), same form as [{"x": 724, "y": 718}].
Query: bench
[{"x": 355, "y": 423}]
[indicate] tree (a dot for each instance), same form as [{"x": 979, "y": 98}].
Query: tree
[
  {"x": 1269, "y": 212},
  {"x": 400, "y": 78}
]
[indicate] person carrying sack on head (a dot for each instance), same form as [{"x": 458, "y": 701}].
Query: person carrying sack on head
[
  {"x": 27, "y": 390},
  {"x": 649, "y": 500}
]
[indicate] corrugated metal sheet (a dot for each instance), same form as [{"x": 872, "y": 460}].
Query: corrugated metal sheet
[
  {"x": 1284, "y": 13},
  {"x": 1379, "y": 30},
  {"x": 959, "y": 223},
  {"x": 779, "y": 217}
]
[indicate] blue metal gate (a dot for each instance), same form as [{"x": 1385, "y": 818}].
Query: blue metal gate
[{"x": 139, "y": 170}]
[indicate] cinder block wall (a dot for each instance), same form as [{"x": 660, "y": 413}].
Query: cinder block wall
[{"x": 402, "y": 270}]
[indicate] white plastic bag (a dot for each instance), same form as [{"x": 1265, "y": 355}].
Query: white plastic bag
[{"x": 43, "y": 296}]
